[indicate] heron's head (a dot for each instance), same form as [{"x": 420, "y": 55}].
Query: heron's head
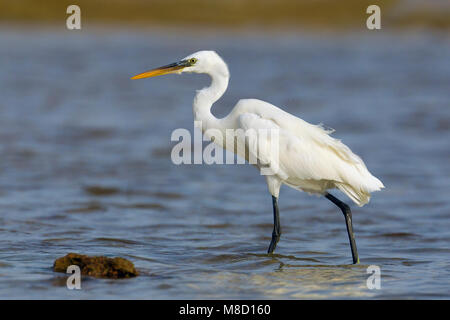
[{"x": 199, "y": 62}]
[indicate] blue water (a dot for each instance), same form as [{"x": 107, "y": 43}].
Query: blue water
[{"x": 85, "y": 166}]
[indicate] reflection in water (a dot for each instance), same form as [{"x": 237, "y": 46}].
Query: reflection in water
[
  {"x": 85, "y": 167},
  {"x": 298, "y": 281}
]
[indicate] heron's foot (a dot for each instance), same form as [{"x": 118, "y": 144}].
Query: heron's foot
[{"x": 273, "y": 243}]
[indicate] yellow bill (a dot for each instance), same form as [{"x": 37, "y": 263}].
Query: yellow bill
[{"x": 170, "y": 68}]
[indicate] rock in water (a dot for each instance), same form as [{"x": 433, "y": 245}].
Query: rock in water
[{"x": 97, "y": 266}]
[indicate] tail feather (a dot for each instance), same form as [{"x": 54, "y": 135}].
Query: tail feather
[{"x": 360, "y": 196}]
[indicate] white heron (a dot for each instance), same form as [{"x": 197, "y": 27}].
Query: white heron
[{"x": 309, "y": 159}]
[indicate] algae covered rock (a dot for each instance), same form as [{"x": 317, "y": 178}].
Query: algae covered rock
[{"x": 97, "y": 266}]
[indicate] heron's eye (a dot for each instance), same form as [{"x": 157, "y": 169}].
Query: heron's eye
[{"x": 192, "y": 61}]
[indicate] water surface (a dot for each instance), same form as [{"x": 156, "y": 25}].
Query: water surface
[{"x": 85, "y": 166}]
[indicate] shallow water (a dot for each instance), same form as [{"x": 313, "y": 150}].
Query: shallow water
[{"x": 85, "y": 166}]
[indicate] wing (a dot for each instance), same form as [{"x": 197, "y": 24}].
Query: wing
[
  {"x": 308, "y": 157},
  {"x": 296, "y": 158},
  {"x": 300, "y": 128},
  {"x": 262, "y": 142}
]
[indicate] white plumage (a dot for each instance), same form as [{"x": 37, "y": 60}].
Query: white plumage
[{"x": 308, "y": 158}]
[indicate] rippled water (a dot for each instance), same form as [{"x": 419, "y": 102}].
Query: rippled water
[{"x": 85, "y": 166}]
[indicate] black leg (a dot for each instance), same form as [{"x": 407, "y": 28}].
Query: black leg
[
  {"x": 348, "y": 220},
  {"x": 276, "y": 226}
]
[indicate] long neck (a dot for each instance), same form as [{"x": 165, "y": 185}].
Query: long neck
[{"x": 205, "y": 97}]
